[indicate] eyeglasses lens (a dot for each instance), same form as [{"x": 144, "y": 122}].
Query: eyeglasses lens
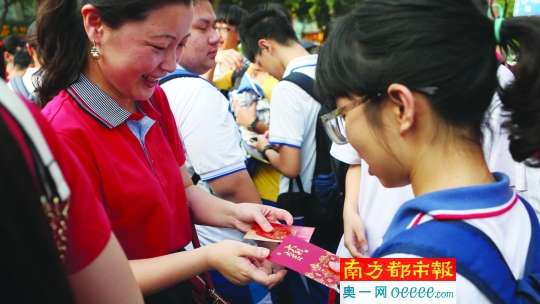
[{"x": 335, "y": 128}]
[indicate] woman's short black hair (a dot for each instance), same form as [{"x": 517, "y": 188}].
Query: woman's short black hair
[{"x": 230, "y": 14}]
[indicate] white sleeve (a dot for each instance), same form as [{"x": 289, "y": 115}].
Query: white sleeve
[
  {"x": 209, "y": 133},
  {"x": 288, "y": 114},
  {"x": 345, "y": 153}
]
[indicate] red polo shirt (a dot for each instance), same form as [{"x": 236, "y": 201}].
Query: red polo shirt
[
  {"x": 134, "y": 171},
  {"x": 88, "y": 229}
]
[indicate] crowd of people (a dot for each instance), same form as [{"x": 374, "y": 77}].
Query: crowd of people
[{"x": 132, "y": 129}]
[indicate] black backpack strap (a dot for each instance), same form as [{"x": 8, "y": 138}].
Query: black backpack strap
[
  {"x": 305, "y": 82},
  {"x": 298, "y": 182}
]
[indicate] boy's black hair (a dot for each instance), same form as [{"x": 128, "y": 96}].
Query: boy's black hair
[
  {"x": 22, "y": 59},
  {"x": 12, "y": 43},
  {"x": 266, "y": 24},
  {"x": 230, "y": 14},
  {"x": 272, "y": 5}
]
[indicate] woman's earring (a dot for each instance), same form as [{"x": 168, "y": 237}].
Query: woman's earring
[{"x": 95, "y": 52}]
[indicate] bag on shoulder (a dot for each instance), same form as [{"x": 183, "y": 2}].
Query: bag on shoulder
[
  {"x": 482, "y": 263},
  {"x": 323, "y": 208},
  {"x": 18, "y": 85}
]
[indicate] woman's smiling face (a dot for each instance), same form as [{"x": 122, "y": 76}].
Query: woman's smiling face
[{"x": 136, "y": 55}]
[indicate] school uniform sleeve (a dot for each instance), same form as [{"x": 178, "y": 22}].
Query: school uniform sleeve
[
  {"x": 345, "y": 153},
  {"x": 209, "y": 133},
  {"x": 89, "y": 229},
  {"x": 288, "y": 116}
]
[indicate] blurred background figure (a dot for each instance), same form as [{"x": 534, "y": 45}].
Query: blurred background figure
[
  {"x": 27, "y": 83},
  {"x": 11, "y": 45},
  {"x": 21, "y": 61}
]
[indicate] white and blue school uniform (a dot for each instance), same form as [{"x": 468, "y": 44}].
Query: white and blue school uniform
[{"x": 494, "y": 209}]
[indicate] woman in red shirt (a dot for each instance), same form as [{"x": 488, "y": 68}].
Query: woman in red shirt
[
  {"x": 94, "y": 268},
  {"x": 99, "y": 89}
]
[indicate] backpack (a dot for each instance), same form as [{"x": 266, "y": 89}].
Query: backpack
[
  {"x": 181, "y": 73},
  {"x": 323, "y": 207},
  {"x": 18, "y": 85},
  {"x": 488, "y": 272}
]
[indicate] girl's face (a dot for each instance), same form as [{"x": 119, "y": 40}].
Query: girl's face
[
  {"x": 136, "y": 55},
  {"x": 377, "y": 145}
]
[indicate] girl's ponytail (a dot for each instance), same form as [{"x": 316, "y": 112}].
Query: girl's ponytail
[
  {"x": 63, "y": 45},
  {"x": 522, "y": 97}
]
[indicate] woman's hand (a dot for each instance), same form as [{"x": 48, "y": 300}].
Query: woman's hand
[
  {"x": 245, "y": 116},
  {"x": 241, "y": 263},
  {"x": 246, "y": 214},
  {"x": 354, "y": 234}
]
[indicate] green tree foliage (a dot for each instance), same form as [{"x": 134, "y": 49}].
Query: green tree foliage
[
  {"x": 5, "y": 5},
  {"x": 320, "y": 11},
  {"x": 508, "y": 6}
]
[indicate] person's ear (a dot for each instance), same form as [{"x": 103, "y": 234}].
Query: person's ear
[
  {"x": 92, "y": 23},
  {"x": 30, "y": 50},
  {"x": 403, "y": 106},
  {"x": 7, "y": 55},
  {"x": 265, "y": 45}
]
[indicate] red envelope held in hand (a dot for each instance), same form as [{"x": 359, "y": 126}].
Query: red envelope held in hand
[
  {"x": 306, "y": 259},
  {"x": 279, "y": 233}
]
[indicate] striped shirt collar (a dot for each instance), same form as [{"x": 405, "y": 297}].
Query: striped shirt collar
[
  {"x": 465, "y": 203},
  {"x": 103, "y": 108}
]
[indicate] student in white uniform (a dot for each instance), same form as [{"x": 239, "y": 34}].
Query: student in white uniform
[
  {"x": 413, "y": 102},
  {"x": 212, "y": 142},
  {"x": 376, "y": 205}
]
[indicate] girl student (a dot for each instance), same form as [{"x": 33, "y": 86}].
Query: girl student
[
  {"x": 412, "y": 80},
  {"x": 99, "y": 90}
]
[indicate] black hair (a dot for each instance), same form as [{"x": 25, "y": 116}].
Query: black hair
[
  {"x": 447, "y": 44},
  {"x": 30, "y": 267},
  {"x": 12, "y": 44},
  {"x": 230, "y": 14},
  {"x": 265, "y": 24},
  {"x": 22, "y": 59},
  {"x": 522, "y": 97},
  {"x": 2, "y": 65},
  {"x": 63, "y": 42},
  {"x": 272, "y": 5}
]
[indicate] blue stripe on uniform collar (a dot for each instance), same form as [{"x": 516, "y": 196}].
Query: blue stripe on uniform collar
[{"x": 459, "y": 199}]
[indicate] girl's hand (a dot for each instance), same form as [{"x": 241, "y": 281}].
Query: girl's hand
[{"x": 354, "y": 235}]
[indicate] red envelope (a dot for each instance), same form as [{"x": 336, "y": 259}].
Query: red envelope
[
  {"x": 279, "y": 233},
  {"x": 306, "y": 259}
]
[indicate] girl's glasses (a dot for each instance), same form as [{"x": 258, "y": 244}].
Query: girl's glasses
[{"x": 334, "y": 124}]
